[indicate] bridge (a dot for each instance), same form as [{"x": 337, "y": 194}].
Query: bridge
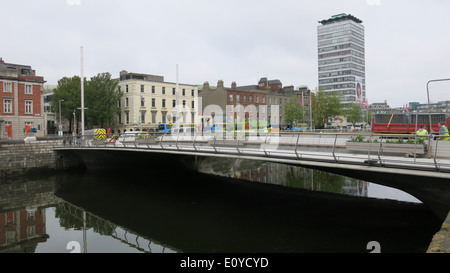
[{"x": 420, "y": 168}]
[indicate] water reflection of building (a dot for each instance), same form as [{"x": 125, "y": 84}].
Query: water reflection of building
[
  {"x": 355, "y": 188},
  {"x": 284, "y": 175},
  {"x": 22, "y": 214},
  {"x": 22, "y": 230}
]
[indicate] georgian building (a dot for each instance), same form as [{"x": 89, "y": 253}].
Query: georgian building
[
  {"x": 148, "y": 100},
  {"x": 21, "y": 98}
]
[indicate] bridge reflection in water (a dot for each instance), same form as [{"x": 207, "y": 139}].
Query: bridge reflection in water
[
  {"x": 187, "y": 211},
  {"x": 194, "y": 212}
]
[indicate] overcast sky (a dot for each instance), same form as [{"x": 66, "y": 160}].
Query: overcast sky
[{"x": 407, "y": 41}]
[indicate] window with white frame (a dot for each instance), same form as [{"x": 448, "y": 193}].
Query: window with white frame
[
  {"x": 31, "y": 215},
  {"x": 31, "y": 231},
  {"x": 7, "y": 106},
  {"x": 28, "y": 89},
  {"x": 28, "y": 107},
  {"x": 7, "y": 87}
]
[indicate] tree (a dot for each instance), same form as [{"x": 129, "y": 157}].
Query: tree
[
  {"x": 353, "y": 113},
  {"x": 293, "y": 110},
  {"x": 68, "y": 89},
  {"x": 102, "y": 97},
  {"x": 324, "y": 106}
]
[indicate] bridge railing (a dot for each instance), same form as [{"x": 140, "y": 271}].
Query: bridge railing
[{"x": 405, "y": 150}]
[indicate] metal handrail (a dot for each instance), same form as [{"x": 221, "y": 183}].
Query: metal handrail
[{"x": 88, "y": 141}]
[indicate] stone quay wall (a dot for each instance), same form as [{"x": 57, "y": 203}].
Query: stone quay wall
[{"x": 20, "y": 157}]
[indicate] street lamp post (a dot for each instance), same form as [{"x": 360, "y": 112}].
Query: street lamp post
[
  {"x": 82, "y": 91},
  {"x": 60, "y": 122},
  {"x": 428, "y": 96}
]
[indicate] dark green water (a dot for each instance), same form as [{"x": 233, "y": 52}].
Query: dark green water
[{"x": 247, "y": 207}]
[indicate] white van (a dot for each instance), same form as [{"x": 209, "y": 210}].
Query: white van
[{"x": 183, "y": 131}]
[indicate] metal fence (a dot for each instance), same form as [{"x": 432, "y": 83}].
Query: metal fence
[{"x": 408, "y": 151}]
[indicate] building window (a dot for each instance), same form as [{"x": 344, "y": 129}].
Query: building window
[
  {"x": 237, "y": 98},
  {"x": 143, "y": 117},
  {"x": 230, "y": 97},
  {"x": 184, "y": 92},
  {"x": 153, "y": 102},
  {"x": 245, "y": 98},
  {"x": 163, "y": 103},
  {"x": 250, "y": 98},
  {"x": 127, "y": 117},
  {"x": 28, "y": 89},
  {"x": 31, "y": 215},
  {"x": 154, "y": 117},
  {"x": 192, "y": 93},
  {"x": 184, "y": 104},
  {"x": 164, "y": 90},
  {"x": 142, "y": 102},
  {"x": 153, "y": 89},
  {"x": 142, "y": 88},
  {"x": 31, "y": 231},
  {"x": 28, "y": 107},
  {"x": 7, "y": 106},
  {"x": 192, "y": 104},
  {"x": 173, "y": 91},
  {"x": 257, "y": 99},
  {"x": 174, "y": 103},
  {"x": 7, "y": 87},
  {"x": 126, "y": 102},
  {"x": 126, "y": 88},
  {"x": 10, "y": 237}
]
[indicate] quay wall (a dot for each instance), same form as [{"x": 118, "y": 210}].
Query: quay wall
[
  {"x": 441, "y": 240},
  {"x": 19, "y": 158}
]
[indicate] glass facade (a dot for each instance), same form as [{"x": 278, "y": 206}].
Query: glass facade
[{"x": 341, "y": 58}]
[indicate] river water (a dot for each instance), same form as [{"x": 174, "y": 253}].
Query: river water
[{"x": 230, "y": 206}]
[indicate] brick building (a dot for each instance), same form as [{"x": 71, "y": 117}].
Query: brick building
[
  {"x": 21, "y": 100},
  {"x": 264, "y": 101}
]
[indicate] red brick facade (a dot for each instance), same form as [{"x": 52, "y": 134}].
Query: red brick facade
[
  {"x": 21, "y": 99},
  {"x": 20, "y": 226}
]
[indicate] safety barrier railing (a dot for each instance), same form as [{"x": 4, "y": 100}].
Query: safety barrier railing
[{"x": 398, "y": 150}]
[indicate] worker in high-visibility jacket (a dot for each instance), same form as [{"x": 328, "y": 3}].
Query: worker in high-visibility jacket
[
  {"x": 443, "y": 131},
  {"x": 422, "y": 132}
]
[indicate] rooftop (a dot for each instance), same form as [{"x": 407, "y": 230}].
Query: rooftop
[{"x": 340, "y": 17}]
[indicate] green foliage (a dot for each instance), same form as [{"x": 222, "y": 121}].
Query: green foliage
[
  {"x": 357, "y": 139},
  {"x": 68, "y": 89},
  {"x": 101, "y": 96},
  {"x": 324, "y": 106},
  {"x": 293, "y": 110},
  {"x": 353, "y": 113}
]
